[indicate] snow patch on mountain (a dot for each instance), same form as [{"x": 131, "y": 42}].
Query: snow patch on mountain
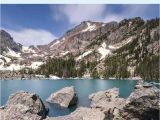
[
  {"x": 54, "y": 77},
  {"x": 84, "y": 54},
  {"x": 103, "y": 51},
  {"x": 55, "y": 43},
  {"x": 64, "y": 53},
  {"x": 38, "y": 55},
  {"x": 35, "y": 65},
  {"x": 12, "y": 67},
  {"x": 27, "y": 50},
  {"x": 7, "y": 59},
  {"x": 13, "y": 53},
  {"x": 121, "y": 44},
  {"x": 89, "y": 27}
]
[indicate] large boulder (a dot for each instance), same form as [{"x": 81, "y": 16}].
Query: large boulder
[
  {"x": 82, "y": 113},
  {"x": 64, "y": 97},
  {"x": 142, "y": 104},
  {"x": 107, "y": 101},
  {"x": 24, "y": 106}
]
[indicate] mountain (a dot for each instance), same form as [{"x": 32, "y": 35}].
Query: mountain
[
  {"x": 7, "y": 43},
  {"x": 76, "y": 40},
  {"x": 15, "y": 56},
  {"x": 126, "y": 49}
]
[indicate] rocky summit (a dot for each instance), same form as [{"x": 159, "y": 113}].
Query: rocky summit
[{"x": 64, "y": 97}]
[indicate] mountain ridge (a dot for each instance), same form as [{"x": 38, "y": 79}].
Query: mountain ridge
[{"x": 96, "y": 41}]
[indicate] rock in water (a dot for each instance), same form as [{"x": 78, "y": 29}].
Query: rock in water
[
  {"x": 82, "y": 113},
  {"x": 64, "y": 97},
  {"x": 24, "y": 106},
  {"x": 142, "y": 104},
  {"x": 107, "y": 101}
]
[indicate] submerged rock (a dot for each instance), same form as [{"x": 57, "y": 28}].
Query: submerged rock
[
  {"x": 64, "y": 97},
  {"x": 142, "y": 104},
  {"x": 24, "y": 106},
  {"x": 107, "y": 101},
  {"x": 82, "y": 113}
]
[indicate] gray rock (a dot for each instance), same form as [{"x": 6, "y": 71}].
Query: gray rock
[
  {"x": 107, "y": 101},
  {"x": 23, "y": 106},
  {"x": 82, "y": 113},
  {"x": 8, "y": 42},
  {"x": 64, "y": 97},
  {"x": 142, "y": 104}
]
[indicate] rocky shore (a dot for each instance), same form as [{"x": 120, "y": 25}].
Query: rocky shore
[
  {"x": 142, "y": 104},
  {"x": 65, "y": 97}
]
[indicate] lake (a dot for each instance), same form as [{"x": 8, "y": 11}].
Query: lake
[{"x": 45, "y": 87}]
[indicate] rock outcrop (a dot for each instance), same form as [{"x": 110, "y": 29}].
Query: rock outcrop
[
  {"x": 23, "y": 106},
  {"x": 64, "y": 97},
  {"x": 82, "y": 113},
  {"x": 7, "y": 42},
  {"x": 107, "y": 101},
  {"x": 142, "y": 104}
]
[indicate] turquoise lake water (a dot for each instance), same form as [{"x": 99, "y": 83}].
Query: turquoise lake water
[{"x": 45, "y": 87}]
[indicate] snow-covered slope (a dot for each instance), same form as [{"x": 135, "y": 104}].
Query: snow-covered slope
[
  {"x": 27, "y": 50},
  {"x": 103, "y": 51},
  {"x": 84, "y": 54},
  {"x": 89, "y": 27}
]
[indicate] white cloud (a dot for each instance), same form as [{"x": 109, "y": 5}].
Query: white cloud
[
  {"x": 30, "y": 36},
  {"x": 104, "y": 13},
  {"x": 78, "y": 13},
  {"x": 112, "y": 17}
]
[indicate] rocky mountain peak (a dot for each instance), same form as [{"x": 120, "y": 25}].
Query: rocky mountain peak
[{"x": 7, "y": 42}]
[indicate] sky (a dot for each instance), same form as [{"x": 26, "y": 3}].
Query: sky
[{"x": 40, "y": 24}]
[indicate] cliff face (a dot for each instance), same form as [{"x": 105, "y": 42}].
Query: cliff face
[{"x": 7, "y": 42}]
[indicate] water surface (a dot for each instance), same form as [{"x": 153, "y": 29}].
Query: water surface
[{"x": 45, "y": 87}]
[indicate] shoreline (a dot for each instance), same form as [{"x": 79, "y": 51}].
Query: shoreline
[
  {"x": 71, "y": 79},
  {"x": 52, "y": 77}
]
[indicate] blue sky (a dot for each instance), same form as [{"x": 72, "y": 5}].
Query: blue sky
[{"x": 40, "y": 24}]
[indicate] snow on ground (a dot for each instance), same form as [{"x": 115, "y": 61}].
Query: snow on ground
[
  {"x": 112, "y": 47},
  {"x": 40, "y": 76},
  {"x": 89, "y": 27},
  {"x": 12, "y": 67},
  {"x": 103, "y": 45},
  {"x": 27, "y": 50},
  {"x": 12, "y": 53},
  {"x": 1, "y": 63},
  {"x": 35, "y": 65},
  {"x": 54, "y": 77},
  {"x": 64, "y": 53},
  {"x": 63, "y": 38},
  {"x": 55, "y": 43},
  {"x": 103, "y": 24},
  {"x": 121, "y": 44},
  {"x": 103, "y": 51},
  {"x": 84, "y": 54},
  {"x": 7, "y": 59},
  {"x": 38, "y": 55}
]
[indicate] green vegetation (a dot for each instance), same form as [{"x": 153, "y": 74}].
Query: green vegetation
[
  {"x": 116, "y": 66},
  {"x": 65, "y": 67},
  {"x": 148, "y": 68}
]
